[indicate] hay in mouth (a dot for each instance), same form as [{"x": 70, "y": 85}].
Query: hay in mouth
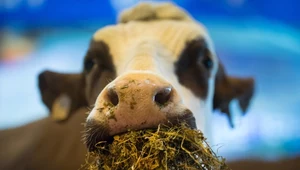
[{"x": 177, "y": 148}]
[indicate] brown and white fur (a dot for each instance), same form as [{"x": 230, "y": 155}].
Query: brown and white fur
[
  {"x": 156, "y": 66},
  {"x": 159, "y": 44}
]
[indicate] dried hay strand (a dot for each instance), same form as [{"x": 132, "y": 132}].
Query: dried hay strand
[{"x": 175, "y": 148}]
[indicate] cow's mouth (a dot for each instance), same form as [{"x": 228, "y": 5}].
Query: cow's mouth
[
  {"x": 177, "y": 147},
  {"x": 96, "y": 134}
]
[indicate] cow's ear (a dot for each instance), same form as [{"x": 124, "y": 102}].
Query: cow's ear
[
  {"x": 229, "y": 88},
  {"x": 61, "y": 93}
]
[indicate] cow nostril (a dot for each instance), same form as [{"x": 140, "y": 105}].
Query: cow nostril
[
  {"x": 113, "y": 97},
  {"x": 163, "y": 96}
]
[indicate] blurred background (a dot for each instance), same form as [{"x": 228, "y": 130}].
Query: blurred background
[{"x": 258, "y": 38}]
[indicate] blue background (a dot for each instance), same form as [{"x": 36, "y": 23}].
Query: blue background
[{"x": 259, "y": 38}]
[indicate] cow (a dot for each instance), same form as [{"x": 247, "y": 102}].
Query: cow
[{"x": 157, "y": 65}]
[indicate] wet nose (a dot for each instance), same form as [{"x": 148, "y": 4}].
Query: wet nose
[
  {"x": 159, "y": 93},
  {"x": 138, "y": 101}
]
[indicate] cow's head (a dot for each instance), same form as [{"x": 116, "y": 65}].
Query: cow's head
[{"x": 156, "y": 66}]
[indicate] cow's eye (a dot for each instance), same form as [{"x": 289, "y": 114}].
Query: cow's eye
[
  {"x": 207, "y": 62},
  {"x": 88, "y": 65}
]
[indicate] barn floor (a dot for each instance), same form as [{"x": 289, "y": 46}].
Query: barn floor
[{"x": 266, "y": 50}]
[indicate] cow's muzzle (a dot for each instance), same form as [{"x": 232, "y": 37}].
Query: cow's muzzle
[{"x": 133, "y": 102}]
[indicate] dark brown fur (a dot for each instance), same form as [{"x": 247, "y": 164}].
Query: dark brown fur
[
  {"x": 283, "y": 164},
  {"x": 44, "y": 145},
  {"x": 193, "y": 75},
  {"x": 229, "y": 88}
]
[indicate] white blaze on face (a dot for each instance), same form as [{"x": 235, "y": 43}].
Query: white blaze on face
[{"x": 154, "y": 46}]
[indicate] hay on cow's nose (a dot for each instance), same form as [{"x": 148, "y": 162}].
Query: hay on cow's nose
[{"x": 165, "y": 148}]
